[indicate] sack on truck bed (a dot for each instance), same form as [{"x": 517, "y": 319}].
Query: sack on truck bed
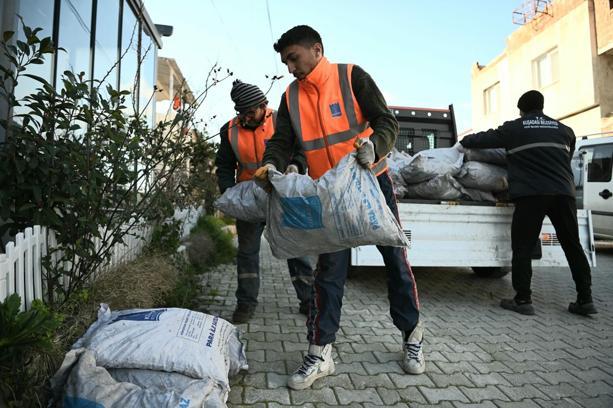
[
  {"x": 344, "y": 208},
  {"x": 483, "y": 176},
  {"x": 492, "y": 156},
  {"x": 431, "y": 163},
  {"x": 245, "y": 201},
  {"x": 443, "y": 187}
]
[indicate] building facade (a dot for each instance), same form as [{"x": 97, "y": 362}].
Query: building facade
[
  {"x": 566, "y": 52},
  {"x": 113, "y": 41}
]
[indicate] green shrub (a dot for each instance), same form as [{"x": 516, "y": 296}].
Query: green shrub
[
  {"x": 225, "y": 250},
  {"x": 166, "y": 237},
  {"x": 24, "y": 337}
]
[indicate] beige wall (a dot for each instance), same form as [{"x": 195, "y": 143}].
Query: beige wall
[
  {"x": 584, "y": 78},
  {"x": 604, "y": 26}
]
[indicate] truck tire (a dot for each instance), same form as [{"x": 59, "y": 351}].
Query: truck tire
[{"x": 491, "y": 271}]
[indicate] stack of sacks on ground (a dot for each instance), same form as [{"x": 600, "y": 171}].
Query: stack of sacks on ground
[
  {"x": 447, "y": 174},
  {"x": 151, "y": 358}
]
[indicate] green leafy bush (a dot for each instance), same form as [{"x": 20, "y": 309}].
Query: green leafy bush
[{"x": 24, "y": 336}]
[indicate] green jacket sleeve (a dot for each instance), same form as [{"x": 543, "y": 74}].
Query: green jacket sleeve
[
  {"x": 225, "y": 161},
  {"x": 283, "y": 141},
  {"x": 374, "y": 108}
]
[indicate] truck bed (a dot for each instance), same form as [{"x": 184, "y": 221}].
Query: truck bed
[{"x": 470, "y": 234}]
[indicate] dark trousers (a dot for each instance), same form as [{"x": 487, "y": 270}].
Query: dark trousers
[
  {"x": 527, "y": 222},
  {"x": 248, "y": 266},
  {"x": 331, "y": 273}
]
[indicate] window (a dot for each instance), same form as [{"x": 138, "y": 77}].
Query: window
[
  {"x": 129, "y": 63},
  {"x": 490, "y": 99},
  {"x": 106, "y": 52},
  {"x": 430, "y": 135},
  {"x": 545, "y": 69},
  {"x": 74, "y": 37},
  {"x": 35, "y": 13},
  {"x": 147, "y": 77},
  {"x": 599, "y": 163},
  {"x": 404, "y": 140}
]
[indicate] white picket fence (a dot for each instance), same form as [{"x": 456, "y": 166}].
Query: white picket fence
[{"x": 21, "y": 269}]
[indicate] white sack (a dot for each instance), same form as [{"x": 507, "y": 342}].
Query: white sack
[
  {"x": 245, "y": 201},
  {"x": 431, "y": 163},
  {"x": 492, "y": 156},
  {"x": 82, "y": 382},
  {"x": 191, "y": 343},
  {"x": 344, "y": 208},
  {"x": 483, "y": 176},
  {"x": 443, "y": 187}
]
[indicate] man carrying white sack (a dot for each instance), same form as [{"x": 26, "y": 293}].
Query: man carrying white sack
[
  {"x": 331, "y": 109},
  {"x": 243, "y": 140}
]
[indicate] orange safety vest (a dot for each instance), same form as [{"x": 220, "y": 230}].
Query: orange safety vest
[
  {"x": 326, "y": 117},
  {"x": 249, "y": 144}
]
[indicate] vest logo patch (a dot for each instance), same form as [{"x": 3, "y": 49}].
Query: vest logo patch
[{"x": 335, "y": 109}]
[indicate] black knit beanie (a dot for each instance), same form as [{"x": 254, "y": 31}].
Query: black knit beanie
[
  {"x": 530, "y": 101},
  {"x": 246, "y": 96}
]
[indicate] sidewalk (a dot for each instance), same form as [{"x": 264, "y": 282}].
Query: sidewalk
[{"x": 478, "y": 355}]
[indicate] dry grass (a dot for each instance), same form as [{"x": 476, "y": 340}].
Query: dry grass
[{"x": 141, "y": 284}]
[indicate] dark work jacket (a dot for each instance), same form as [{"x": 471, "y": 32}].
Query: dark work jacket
[
  {"x": 227, "y": 163},
  {"x": 539, "y": 150},
  {"x": 373, "y": 106}
]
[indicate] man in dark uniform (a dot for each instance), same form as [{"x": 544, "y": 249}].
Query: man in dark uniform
[{"x": 539, "y": 151}]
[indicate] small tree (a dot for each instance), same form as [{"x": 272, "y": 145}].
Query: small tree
[{"x": 75, "y": 162}]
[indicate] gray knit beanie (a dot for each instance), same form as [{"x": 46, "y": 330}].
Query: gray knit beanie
[{"x": 246, "y": 96}]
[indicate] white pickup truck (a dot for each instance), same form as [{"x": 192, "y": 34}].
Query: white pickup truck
[
  {"x": 593, "y": 168},
  {"x": 462, "y": 234}
]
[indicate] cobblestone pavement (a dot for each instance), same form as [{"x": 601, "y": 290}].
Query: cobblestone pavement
[{"x": 478, "y": 355}]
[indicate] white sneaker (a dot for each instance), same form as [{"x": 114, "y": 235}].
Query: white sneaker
[
  {"x": 316, "y": 364},
  {"x": 413, "y": 361}
]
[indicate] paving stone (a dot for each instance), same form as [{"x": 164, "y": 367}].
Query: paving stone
[
  {"x": 520, "y": 392},
  {"x": 445, "y": 380},
  {"x": 517, "y": 404},
  {"x": 350, "y": 396},
  {"x": 603, "y": 401},
  {"x": 436, "y": 395},
  {"x": 335, "y": 380},
  {"x": 253, "y": 395},
  {"x": 480, "y": 380},
  {"x": 355, "y": 368},
  {"x": 596, "y": 388},
  {"x": 561, "y": 391},
  {"x": 382, "y": 368},
  {"x": 489, "y": 392},
  {"x": 407, "y": 380},
  {"x": 358, "y": 357},
  {"x": 368, "y": 381},
  {"x": 558, "y": 377},
  {"x": 485, "y": 404},
  {"x": 455, "y": 367},
  {"x": 323, "y": 395}
]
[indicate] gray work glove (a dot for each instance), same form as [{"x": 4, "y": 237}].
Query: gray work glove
[
  {"x": 366, "y": 152},
  {"x": 292, "y": 168}
]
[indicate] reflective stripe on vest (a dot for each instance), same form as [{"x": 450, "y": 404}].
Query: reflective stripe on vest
[
  {"x": 331, "y": 141},
  {"x": 246, "y": 166},
  {"x": 535, "y": 145}
]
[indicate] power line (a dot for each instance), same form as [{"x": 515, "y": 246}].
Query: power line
[{"x": 272, "y": 39}]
